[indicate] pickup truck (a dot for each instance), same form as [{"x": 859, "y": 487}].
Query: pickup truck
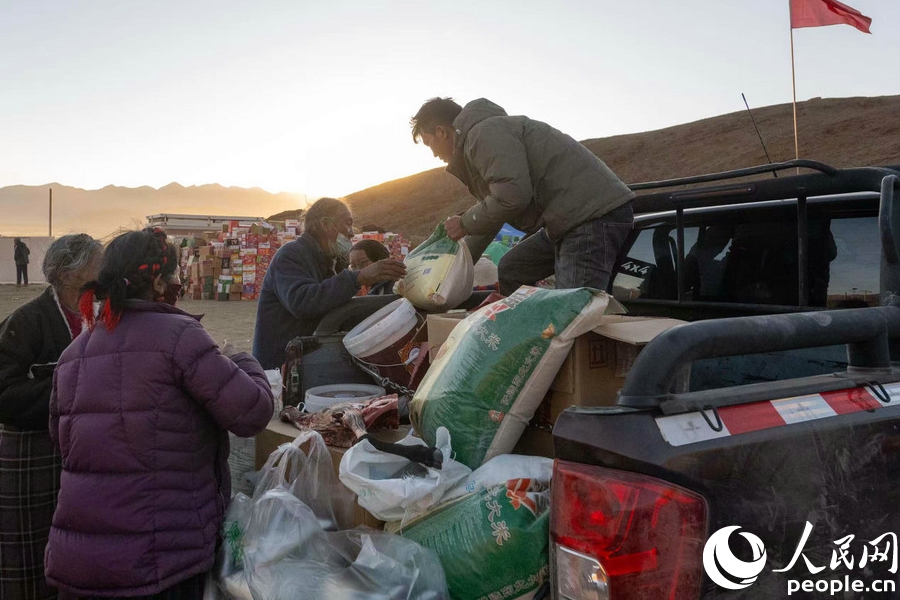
[{"x": 778, "y": 473}]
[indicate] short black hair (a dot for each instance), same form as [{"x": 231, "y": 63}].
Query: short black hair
[
  {"x": 374, "y": 249},
  {"x": 437, "y": 111}
]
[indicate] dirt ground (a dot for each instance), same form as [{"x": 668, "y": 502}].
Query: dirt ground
[{"x": 231, "y": 321}]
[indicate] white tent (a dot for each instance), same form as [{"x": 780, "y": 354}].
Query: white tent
[{"x": 38, "y": 246}]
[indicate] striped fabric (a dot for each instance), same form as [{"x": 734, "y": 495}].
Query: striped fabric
[{"x": 29, "y": 482}]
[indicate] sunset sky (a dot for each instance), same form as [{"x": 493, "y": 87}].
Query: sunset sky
[{"x": 315, "y": 96}]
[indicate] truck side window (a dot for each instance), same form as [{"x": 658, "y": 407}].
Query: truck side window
[
  {"x": 762, "y": 266},
  {"x": 649, "y": 269},
  {"x": 704, "y": 263},
  {"x": 754, "y": 260},
  {"x": 855, "y": 270}
]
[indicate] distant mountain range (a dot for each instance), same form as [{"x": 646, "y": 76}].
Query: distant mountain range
[
  {"x": 842, "y": 132},
  {"x": 25, "y": 209}
]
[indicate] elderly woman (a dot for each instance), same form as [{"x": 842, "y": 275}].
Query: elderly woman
[{"x": 31, "y": 341}]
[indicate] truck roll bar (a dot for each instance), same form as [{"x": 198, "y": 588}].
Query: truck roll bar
[{"x": 865, "y": 331}]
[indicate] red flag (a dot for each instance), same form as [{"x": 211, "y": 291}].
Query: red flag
[{"x": 817, "y": 13}]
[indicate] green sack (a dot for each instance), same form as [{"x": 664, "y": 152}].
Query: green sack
[
  {"x": 495, "y": 252},
  {"x": 493, "y": 543},
  {"x": 496, "y": 366}
]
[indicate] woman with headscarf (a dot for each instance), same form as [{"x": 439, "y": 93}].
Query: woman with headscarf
[{"x": 31, "y": 341}]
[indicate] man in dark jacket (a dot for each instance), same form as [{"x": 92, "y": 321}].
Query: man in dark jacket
[
  {"x": 308, "y": 277},
  {"x": 20, "y": 256},
  {"x": 536, "y": 178}
]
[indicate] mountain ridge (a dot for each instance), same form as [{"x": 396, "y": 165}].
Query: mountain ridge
[{"x": 842, "y": 132}]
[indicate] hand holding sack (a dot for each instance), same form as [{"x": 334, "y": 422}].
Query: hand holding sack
[{"x": 439, "y": 273}]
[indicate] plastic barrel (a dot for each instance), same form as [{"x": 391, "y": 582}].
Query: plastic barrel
[{"x": 385, "y": 340}]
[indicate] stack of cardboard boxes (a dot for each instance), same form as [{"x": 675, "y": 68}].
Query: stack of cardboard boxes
[{"x": 231, "y": 264}]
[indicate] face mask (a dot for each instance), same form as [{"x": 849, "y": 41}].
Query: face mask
[
  {"x": 342, "y": 246},
  {"x": 172, "y": 294}
]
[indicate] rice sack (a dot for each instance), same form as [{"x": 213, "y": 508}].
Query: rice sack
[
  {"x": 492, "y": 543},
  {"x": 496, "y": 366},
  {"x": 439, "y": 273}
]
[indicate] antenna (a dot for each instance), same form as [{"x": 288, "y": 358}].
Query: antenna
[{"x": 775, "y": 173}]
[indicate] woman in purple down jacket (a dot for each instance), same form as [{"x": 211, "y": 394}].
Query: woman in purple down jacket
[{"x": 141, "y": 405}]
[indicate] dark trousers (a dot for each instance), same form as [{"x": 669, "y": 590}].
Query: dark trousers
[
  {"x": 21, "y": 274},
  {"x": 584, "y": 257}
]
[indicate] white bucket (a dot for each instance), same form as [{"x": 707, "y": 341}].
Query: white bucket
[
  {"x": 321, "y": 397},
  {"x": 381, "y": 329}
]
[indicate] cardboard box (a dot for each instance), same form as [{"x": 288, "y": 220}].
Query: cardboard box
[
  {"x": 536, "y": 441},
  {"x": 598, "y": 362},
  {"x": 205, "y": 267},
  {"x": 439, "y": 327},
  {"x": 278, "y": 432}
]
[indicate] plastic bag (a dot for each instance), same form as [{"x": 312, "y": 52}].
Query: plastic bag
[
  {"x": 310, "y": 477},
  {"x": 287, "y": 555},
  {"x": 229, "y": 565},
  {"x": 392, "y": 487},
  {"x": 277, "y": 385},
  {"x": 501, "y": 469},
  {"x": 496, "y": 366},
  {"x": 439, "y": 273},
  {"x": 486, "y": 274}
]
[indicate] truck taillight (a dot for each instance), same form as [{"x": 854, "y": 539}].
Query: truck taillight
[{"x": 617, "y": 535}]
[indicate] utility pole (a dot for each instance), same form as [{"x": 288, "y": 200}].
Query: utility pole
[{"x": 50, "y": 216}]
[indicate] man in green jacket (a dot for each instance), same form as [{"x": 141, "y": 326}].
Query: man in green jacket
[{"x": 576, "y": 211}]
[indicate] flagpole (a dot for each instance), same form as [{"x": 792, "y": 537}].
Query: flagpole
[{"x": 794, "y": 91}]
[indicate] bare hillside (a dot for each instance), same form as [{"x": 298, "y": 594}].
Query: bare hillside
[{"x": 842, "y": 132}]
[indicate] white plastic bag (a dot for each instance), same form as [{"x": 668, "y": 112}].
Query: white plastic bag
[
  {"x": 499, "y": 470},
  {"x": 277, "y": 385},
  {"x": 287, "y": 555},
  {"x": 392, "y": 487},
  {"x": 310, "y": 477},
  {"x": 229, "y": 565},
  {"x": 439, "y": 273},
  {"x": 486, "y": 274}
]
